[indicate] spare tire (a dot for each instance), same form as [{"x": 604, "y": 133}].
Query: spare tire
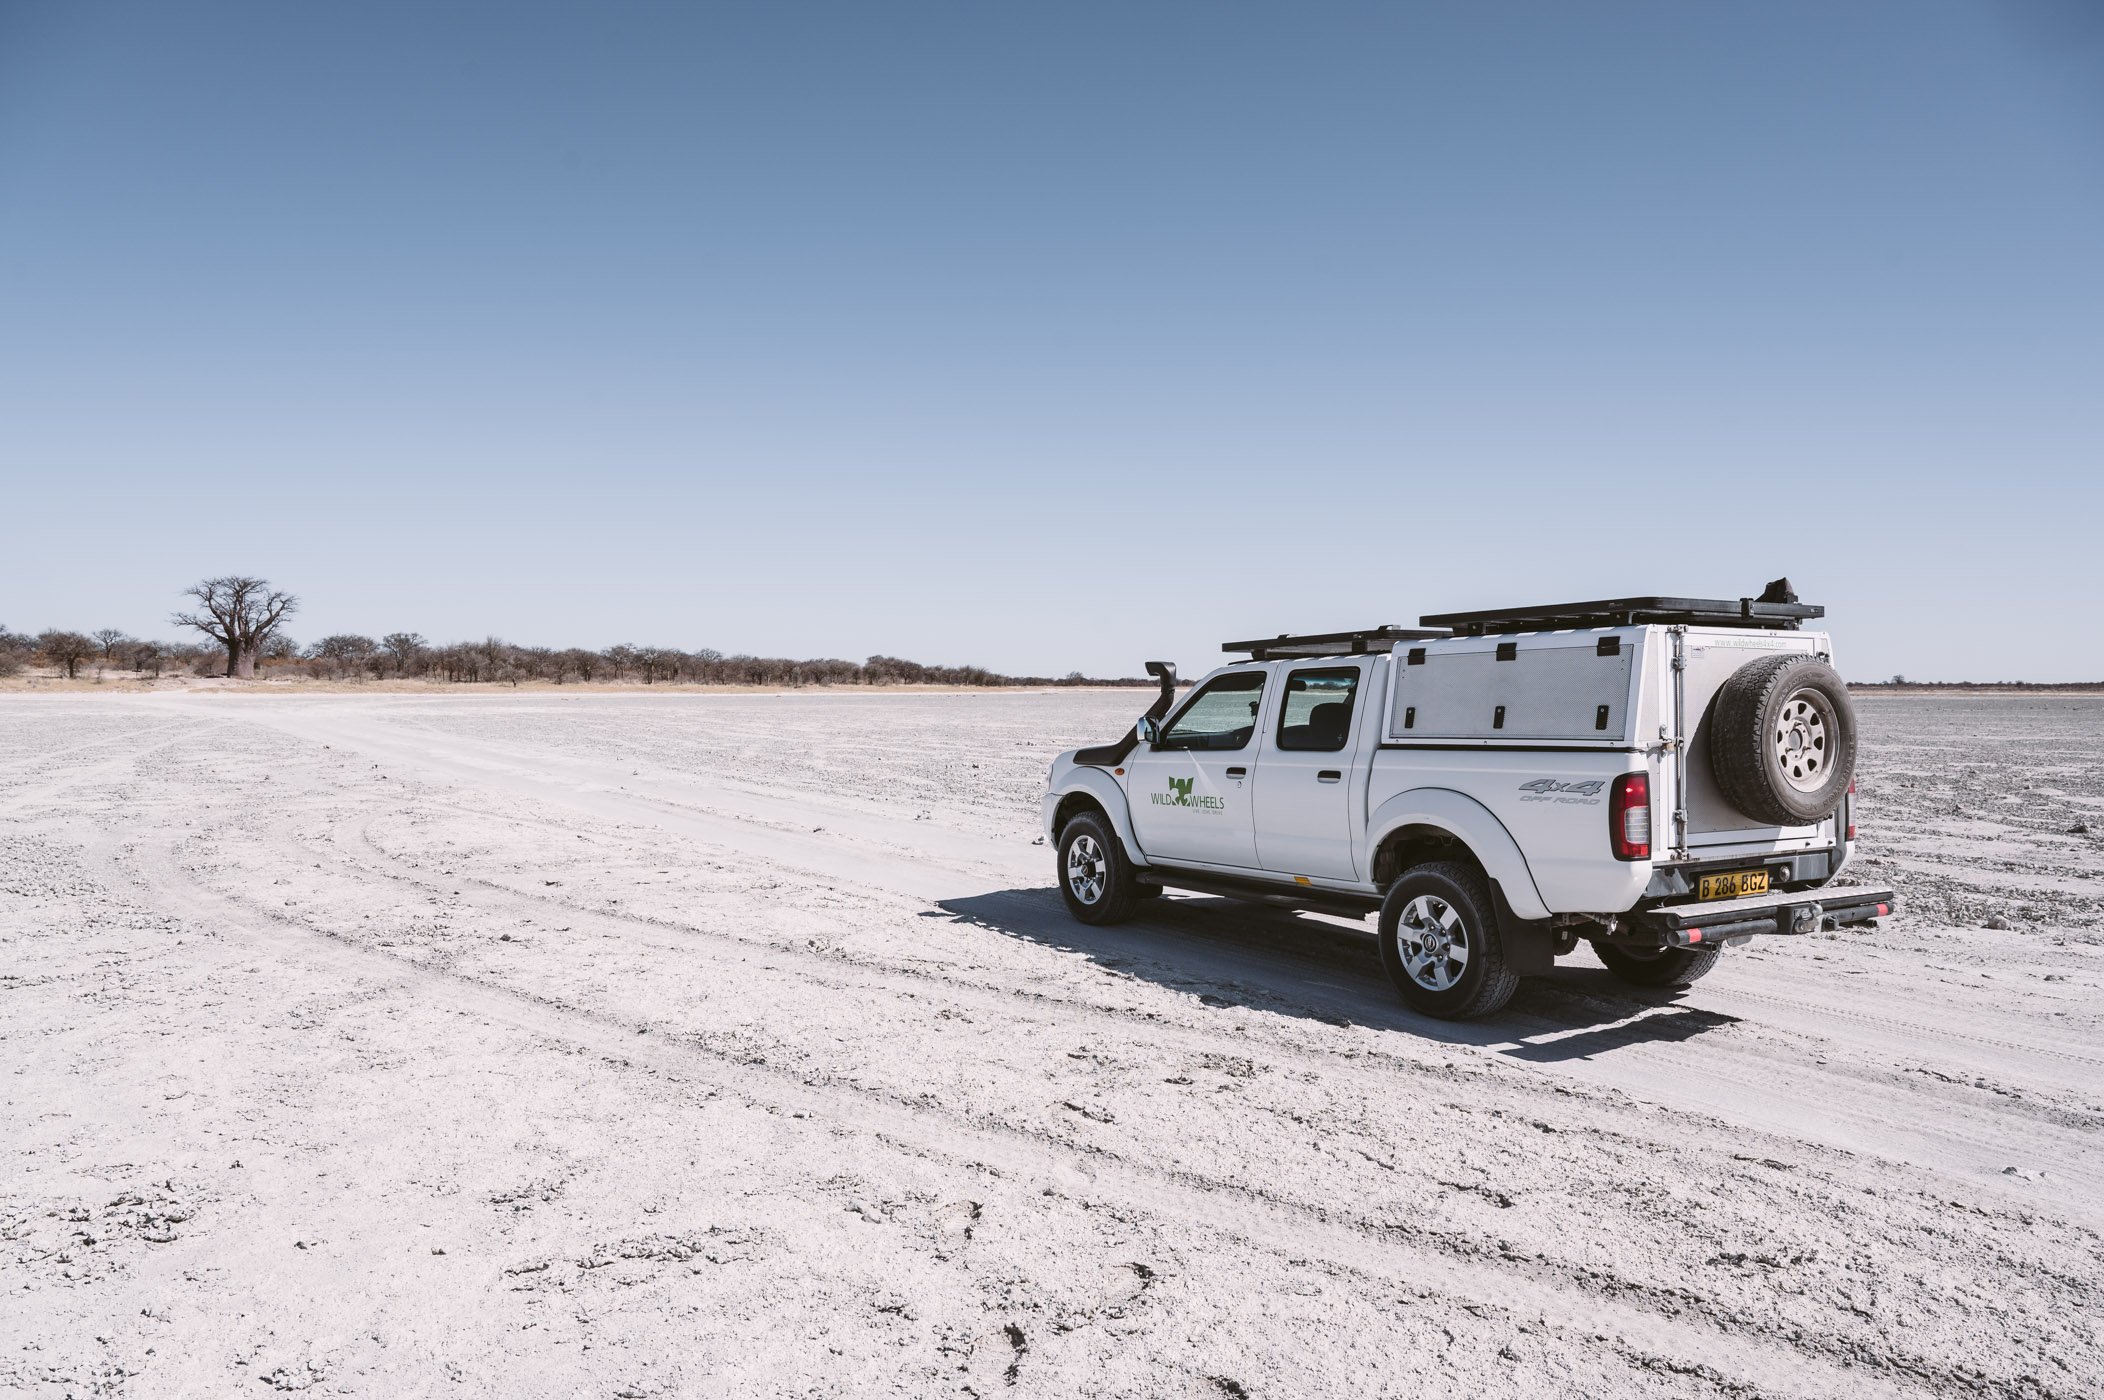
[{"x": 1782, "y": 740}]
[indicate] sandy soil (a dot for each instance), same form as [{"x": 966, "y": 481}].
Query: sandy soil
[{"x": 617, "y": 1046}]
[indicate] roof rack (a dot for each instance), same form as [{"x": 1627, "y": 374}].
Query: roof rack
[
  {"x": 1629, "y": 612},
  {"x": 1360, "y": 643}
]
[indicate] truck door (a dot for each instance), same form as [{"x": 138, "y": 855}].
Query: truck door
[
  {"x": 1304, "y": 773},
  {"x": 1189, "y": 791}
]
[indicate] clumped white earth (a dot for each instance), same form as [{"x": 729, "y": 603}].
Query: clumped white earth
[{"x": 738, "y": 1045}]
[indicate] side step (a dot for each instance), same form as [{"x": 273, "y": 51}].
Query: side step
[{"x": 1279, "y": 896}]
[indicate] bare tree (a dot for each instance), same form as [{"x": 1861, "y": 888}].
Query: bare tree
[
  {"x": 239, "y": 613},
  {"x": 109, "y": 639},
  {"x": 146, "y": 657},
  {"x": 65, "y": 649},
  {"x": 407, "y": 649}
]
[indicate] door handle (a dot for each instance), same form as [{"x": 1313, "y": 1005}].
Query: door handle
[
  {"x": 1329, "y": 775},
  {"x": 1238, "y": 772}
]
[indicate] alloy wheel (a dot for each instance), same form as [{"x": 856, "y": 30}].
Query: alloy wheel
[
  {"x": 1086, "y": 869},
  {"x": 1434, "y": 943}
]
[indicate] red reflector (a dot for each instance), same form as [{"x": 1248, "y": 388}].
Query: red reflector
[
  {"x": 1694, "y": 935},
  {"x": 1851, "y": 831},
  {"x": 1883, "y": 910},
  {"x": 1629, "y": 817}
]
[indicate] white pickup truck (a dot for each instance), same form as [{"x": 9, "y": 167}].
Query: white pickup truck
[{"x": 1663, "y": 777}]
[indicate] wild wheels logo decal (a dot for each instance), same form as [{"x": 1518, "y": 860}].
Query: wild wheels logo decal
[{"x": 1180, "y": 795}]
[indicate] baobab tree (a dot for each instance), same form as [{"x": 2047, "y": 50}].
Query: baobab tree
[{"x": 239, "y": 613}]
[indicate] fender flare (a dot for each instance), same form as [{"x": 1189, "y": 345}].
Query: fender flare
[
  {"x": 1111, "y": 798},
  {"x": 1474, "y": 826}
]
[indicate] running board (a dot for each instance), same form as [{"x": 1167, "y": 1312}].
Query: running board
[{"x": 1351, "y": 906}]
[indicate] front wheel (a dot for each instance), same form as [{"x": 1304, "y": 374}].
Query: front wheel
[
  {"x": 1095, "y": 878},
  {"x": 1657, "y": 967},
  {"x": 1439, "y": 941}
]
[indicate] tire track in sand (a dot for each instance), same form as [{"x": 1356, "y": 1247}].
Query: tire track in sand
[{"x": 1260, "y": 1220}]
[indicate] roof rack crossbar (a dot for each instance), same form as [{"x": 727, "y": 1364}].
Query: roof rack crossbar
[
  {"x": 1630, "y": 612},
  {"x": 1360, "y": 643}
]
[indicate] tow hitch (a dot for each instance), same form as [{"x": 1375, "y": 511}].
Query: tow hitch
[{"x": 1733, "y": 920}]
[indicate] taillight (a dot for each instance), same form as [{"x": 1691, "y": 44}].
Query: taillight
[
  {"x": 1629, "y": 817},
  {"x": 1851, "y": 809}
]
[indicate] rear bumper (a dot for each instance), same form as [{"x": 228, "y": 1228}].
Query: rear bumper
[{"x": 1729, "y": 920}]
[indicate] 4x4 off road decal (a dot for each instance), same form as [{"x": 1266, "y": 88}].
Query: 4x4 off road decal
[
  {"x": 1180, "y": 795},
  {"x": 1586, "y": 793}
]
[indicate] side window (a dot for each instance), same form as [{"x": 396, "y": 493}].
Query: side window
[
  {"x": 1316, "y": 714},
  {"x": 1223, "y": 715}
]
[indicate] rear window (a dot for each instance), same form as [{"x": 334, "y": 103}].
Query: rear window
[{"x": 1316, "y": 714}]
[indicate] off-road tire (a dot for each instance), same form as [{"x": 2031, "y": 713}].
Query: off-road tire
[
  {"x": 1482, "y": 983},
  {"x": 1782, "y": 740},
  {"x": 1658, "y": 967},
  {"x": 1100, "y": 865}
]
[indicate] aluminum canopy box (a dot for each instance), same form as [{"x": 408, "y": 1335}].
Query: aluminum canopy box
[
  {"x": 1629, "y": 612},
  {"x": 1572, "y": 687}
]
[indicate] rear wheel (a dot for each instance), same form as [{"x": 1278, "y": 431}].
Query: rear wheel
[
  {"x": 1095, "y": 878},
  {"x": 1657, "y": 967},
  {"x": 1439, "y": 941}
]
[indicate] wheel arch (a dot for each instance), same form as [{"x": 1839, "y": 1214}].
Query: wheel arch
[
  {"x": 1091, "y": 789},
  {"x": 1432, "y": 823}
]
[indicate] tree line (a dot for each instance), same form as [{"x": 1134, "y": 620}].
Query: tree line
[
  {"x": 2041, "y": 687},
  {"x": 241, "y": 625}
]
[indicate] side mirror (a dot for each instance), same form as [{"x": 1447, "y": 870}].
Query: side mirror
[{"x": 1150, "y": 729}]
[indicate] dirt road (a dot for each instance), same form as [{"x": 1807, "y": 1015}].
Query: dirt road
[{"x": 725, "y": 1045}]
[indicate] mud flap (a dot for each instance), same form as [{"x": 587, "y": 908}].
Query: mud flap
[{"x": 1529, "y": 945}]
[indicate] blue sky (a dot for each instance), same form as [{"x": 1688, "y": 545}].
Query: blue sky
[{"x": 1056, "y": 337}]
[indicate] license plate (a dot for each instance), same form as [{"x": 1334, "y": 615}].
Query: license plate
[{"x": 1732, "y": 884}]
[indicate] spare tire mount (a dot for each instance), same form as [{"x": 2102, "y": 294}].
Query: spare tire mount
[{"x": 1783, "y": 741}]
